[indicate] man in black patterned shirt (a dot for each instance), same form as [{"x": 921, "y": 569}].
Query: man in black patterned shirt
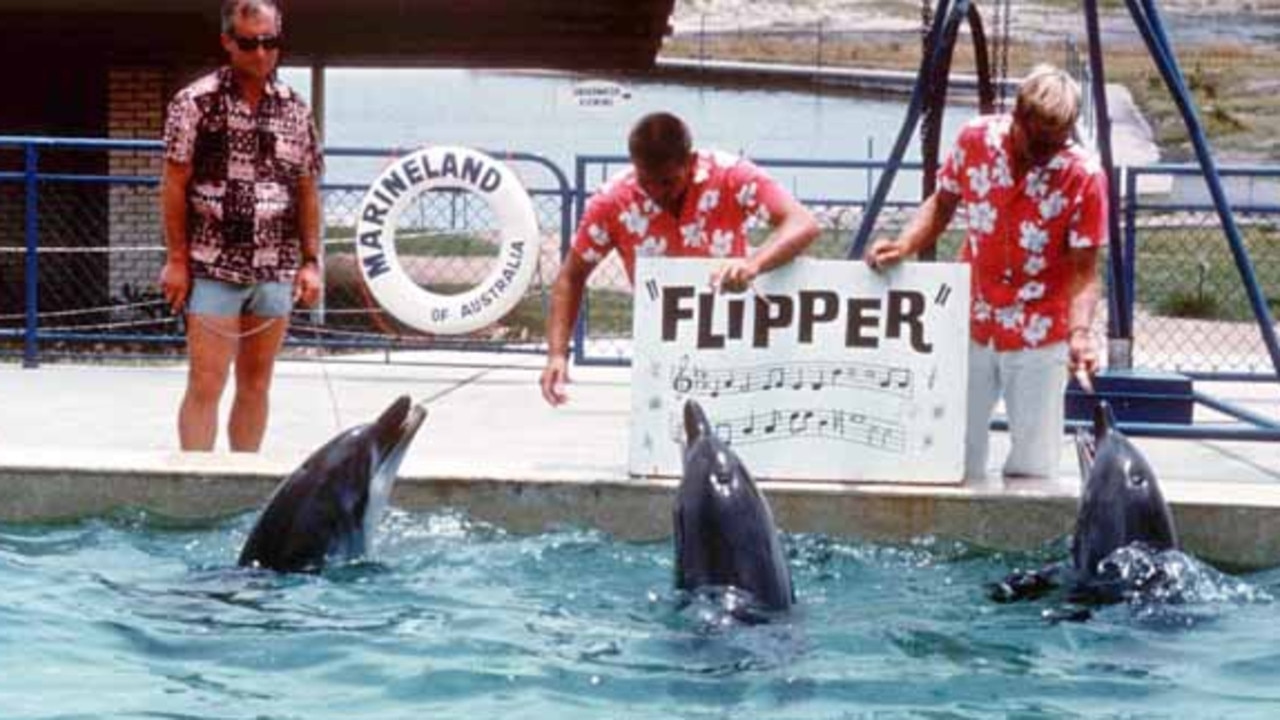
[{"x": 241, "y": 206}]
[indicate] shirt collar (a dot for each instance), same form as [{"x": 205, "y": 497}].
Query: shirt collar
[{"x": 227, "y": 81}]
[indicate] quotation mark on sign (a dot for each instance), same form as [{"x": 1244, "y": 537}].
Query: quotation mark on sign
[
  {"x": 652, "y": 288},
  {"x": 944, "y": 293}
]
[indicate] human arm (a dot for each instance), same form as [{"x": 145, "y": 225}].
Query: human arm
[
  {"x": 794, "y": 230},
  {"x": 175, "y": 276},
  {"x": 922, "y": 231},
  {"x": 1086, "y": 237},
  {"x": 306, "y": 284},
  {"x": 1084, "y": 290},
  {"x": 566, "y": 298}
]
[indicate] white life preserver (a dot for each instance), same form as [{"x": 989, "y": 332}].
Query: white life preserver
[{"x": 452, "y": 168}]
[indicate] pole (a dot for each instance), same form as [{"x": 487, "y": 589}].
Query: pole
[
  {"x": 1119, "y": 322},
  {"x": 30, "y": 347}
]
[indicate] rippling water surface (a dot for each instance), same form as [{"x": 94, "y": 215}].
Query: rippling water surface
[{"x": 132, "y": 617}]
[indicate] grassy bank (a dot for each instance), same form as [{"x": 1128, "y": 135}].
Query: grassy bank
[{"x": 1237, "y": 88}]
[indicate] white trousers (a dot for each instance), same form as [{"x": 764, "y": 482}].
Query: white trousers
[{"x": 1032, "y": 383}]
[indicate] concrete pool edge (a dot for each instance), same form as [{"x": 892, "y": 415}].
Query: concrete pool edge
[{"x": 1226, "y": 524}]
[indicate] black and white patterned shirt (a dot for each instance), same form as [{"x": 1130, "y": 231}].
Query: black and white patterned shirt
[{"x": 242, "y": 202}]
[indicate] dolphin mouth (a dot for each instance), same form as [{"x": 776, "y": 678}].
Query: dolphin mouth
[
  {"x": 1086, "y": 452},
  {"x": 404, "y": 435},
  {"x": 397, "y": 428}
]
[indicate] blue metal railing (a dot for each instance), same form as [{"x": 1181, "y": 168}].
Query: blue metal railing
[
  {"x": 29, "y": 172},
  {"x": 33, "y": 181}
]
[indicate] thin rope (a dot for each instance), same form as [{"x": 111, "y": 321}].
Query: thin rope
[
  {"x": 84, "y": 311},
  {"x": 110, "y": 325},
  {"x": 233, "y": 335},
  {"x": 66, "y": 250}
]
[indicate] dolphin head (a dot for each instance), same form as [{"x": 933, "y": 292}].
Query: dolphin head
[
  {"x": 1120, "y": 501},
  {"x": 331, "y": 504},
  {"x": 724, "y": 529}
]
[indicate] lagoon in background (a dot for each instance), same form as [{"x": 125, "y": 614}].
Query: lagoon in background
[{"x": 536, "y": 113}]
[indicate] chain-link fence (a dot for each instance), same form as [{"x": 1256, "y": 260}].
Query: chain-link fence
[
  {"x": 99, "y": 249},
  {"x": 1192, "y": 312}
]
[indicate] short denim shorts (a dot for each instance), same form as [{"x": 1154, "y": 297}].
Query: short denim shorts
[{"x": 224, "y": 299}]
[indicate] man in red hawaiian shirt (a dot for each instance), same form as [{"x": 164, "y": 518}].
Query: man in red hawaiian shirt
[
  {"x": 241, "y": 206},
  {"x": 674, "y": 202},
  {"x": 1036, "y": 206}
]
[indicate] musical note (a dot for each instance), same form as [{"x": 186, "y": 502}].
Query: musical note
[
  {"x": 798, "y": 382},
  {"x": 799, "y": 421},
  {"x": 777, "y": 377},
  {"x": 902, "y": 375},
  {"x": 725, "y": 432},
  {"x": 689, "y": 379},
  {"x": 681, "y": 383},
  {"x": 829, "y": 424}
]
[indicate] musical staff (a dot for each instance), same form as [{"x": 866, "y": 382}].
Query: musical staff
[
  {"x": 816, "y": 423},
  {"x": 688, "y": 379}
]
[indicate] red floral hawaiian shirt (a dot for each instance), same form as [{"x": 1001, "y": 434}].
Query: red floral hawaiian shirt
[
  {"x": 1021, "y": 230},
  {"x": 725, "y": 193}
]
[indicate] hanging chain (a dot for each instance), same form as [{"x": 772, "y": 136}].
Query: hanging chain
[
  {"x": 232, "y": 335},
  {"x": 926, "y": 23},
  {"x": 1004, "y": 11}
]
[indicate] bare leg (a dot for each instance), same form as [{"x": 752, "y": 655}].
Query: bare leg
[
  {"x": 254, "y": 365},
  {"x": 210, "y": 345}
]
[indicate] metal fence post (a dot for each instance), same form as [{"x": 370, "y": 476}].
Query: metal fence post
[
  {"x": 30, "y": 348},
  {"x": 579, "y": 206}
]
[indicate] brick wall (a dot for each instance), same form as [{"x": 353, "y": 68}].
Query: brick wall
[{"x": 136, "y": 98}]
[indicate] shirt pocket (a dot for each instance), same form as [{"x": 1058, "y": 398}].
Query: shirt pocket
[{"x": 287, "y": 157}]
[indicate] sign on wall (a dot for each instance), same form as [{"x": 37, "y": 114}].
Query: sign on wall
[{"x": 826, "y": 370}]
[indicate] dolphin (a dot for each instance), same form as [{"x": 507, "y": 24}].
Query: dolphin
[
  {"x": 330, "y": 505},
  {"x": 1121, "y": 505},
  {"x": 724, "y": 530}
]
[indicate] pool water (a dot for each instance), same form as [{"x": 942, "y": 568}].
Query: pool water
[{"x": 130, "y": 616}]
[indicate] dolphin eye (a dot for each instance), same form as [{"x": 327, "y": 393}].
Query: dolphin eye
[{"x": 1138, "y": 480}]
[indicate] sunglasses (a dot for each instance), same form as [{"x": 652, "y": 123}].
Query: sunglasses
[{"x": 249, "y": 44}]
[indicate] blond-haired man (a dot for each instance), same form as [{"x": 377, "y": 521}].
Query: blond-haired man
[{"x": 1036, "y": 207}]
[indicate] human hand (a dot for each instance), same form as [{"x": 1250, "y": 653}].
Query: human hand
[
  {"x": 306, "y": 285},
  {"x": 734, "y": 276},
  {"x": 1082, "y": 352},
  {"x": 175, "y": 284},
  {"x": 883, "y": 253},
  {"x": 554, "y": 377}
]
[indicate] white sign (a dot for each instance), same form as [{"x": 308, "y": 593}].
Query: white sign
[
  {"x": 599, "y": 94},
  {"x": 826, "y": 371}
]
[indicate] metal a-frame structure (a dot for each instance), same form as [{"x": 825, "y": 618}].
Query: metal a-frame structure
[{"x": 928, "y": 99}]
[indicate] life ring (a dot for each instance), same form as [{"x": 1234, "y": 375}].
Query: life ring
[{"x": 449, "y": 168}]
